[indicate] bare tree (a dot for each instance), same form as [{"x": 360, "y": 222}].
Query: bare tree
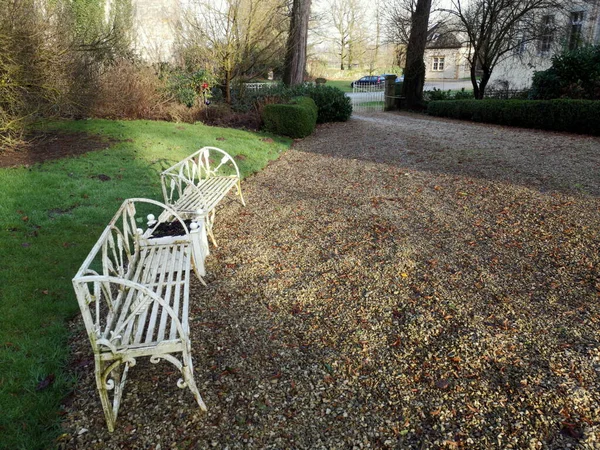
[
  {"x": 346, "y": 17},
  {"x": 497, "y": 29},
  {"x": 295, "y": 55},
  {"x": 235, "y": 37}
]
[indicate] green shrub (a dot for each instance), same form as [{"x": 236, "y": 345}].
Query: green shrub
[
  {"x": 332, "y": 104},
  {"x": 438, "y": 94},
  {"x": 463, "y": 95},
  {"x": 577, "y": 116},
  {"x": 296, "y": 119},
  {"x": 546, "y": 85},
  {"x": 309, "y": 104},
  {"x": 188, "y": 87},
  {"x": 574, "y": 74}
]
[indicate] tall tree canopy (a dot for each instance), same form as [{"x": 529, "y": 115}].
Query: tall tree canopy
[{"x": 236, "y": 38}]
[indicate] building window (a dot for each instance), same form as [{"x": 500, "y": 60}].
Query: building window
[
  {"x": 521, "y": 45},
  {"x": 576, "y": 27},
  {"x": 547, "y": 35},
  {"x": 438, "y": 64}
]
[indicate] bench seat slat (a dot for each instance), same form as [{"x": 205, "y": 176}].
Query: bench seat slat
[
  {"x": 167, "y": 295},
  {"x": 144, "y": 278},
  {"x": 164, "y": 270},
  {"x": 123, "y": 306}
]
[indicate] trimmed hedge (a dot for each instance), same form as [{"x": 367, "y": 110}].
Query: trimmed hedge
[
  {"x": 577, "y": 116},
  {"x": 332, "y": 104},
  {"x": 296, "y": 119}
]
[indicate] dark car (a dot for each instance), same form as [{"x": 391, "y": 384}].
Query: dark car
[
  {"x": 398, "y": 79},
  {"x": 369, "y": 80}
]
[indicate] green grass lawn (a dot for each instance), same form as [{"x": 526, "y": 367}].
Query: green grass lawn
[
  {"x": 51, "y": 214},
  {"x": 344, "y": 85}
]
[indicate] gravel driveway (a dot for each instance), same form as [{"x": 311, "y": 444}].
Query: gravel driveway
[{"x": 395, "y": 281}]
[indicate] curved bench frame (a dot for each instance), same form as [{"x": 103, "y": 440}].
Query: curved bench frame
[
  {"x": 133, "y": 293},
  {"x": 196, "y": 185}
]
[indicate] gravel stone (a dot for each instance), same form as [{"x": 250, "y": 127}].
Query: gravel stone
[{"x": 396, "y": 281}]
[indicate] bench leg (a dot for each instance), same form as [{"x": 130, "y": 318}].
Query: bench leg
[
  {"x": 109, "y": 377},
  {"x": 199, "y": 249},
  {"x": 210, "y": 221},
  {"x": 187, "y": 371},
  {"x": 188, "y": 376},
  {"x": 239, "y": 189}
]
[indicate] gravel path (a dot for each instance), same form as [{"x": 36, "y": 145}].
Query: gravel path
[{"x": 395, "y": 281}]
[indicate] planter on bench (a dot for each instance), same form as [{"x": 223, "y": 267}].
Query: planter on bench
[
  {"x": 196, "y": 185},
  {"x": 133, "y": 292}
]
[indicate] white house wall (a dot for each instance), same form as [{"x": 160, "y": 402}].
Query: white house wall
[
  {"x": 455, "y": 63},
  {"x": 518, "y": 70}
]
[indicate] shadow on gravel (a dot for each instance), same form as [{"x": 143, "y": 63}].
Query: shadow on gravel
[{"x": 541, "y": 160}]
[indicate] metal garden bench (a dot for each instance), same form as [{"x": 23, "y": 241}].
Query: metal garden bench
[
  {"x": 133, "y": 292},
  {"x": 196, "y": 185}
]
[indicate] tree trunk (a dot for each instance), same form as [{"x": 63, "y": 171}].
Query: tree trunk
[
  {"x": 228, "y": 87},
  {"x": 349, "y": 65},
  {"x": 295, "y": 55},
  {"x": 414, "y": 73},
  {"x": 474, "y": 81},
  {"x": 485, "y": 78}
]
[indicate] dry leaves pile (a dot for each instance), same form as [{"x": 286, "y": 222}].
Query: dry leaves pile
[{"x": 395, "y": 282}]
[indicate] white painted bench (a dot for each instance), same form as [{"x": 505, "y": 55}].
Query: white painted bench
[
  {"x": 133, "y": 292},
  {"x": 196, "y": 185}
]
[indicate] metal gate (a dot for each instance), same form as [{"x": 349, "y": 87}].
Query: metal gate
[{"x": 367, "y": 98}]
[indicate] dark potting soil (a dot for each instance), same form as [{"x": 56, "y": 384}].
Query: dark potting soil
[{"x": 170, "y": 228}]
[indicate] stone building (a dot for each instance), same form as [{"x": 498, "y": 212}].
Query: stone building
[
  {"x": 446, "y": 56},
  {"x": 577, "y": 26}
]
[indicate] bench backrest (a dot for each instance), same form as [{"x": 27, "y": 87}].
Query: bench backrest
[{"x": 205, "y": 163}]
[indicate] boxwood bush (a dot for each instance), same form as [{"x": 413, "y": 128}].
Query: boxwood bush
[
  {"x": 577, "y": 116},
  {"x": 332, "y": 104},
  {"x": 296, "y": 119}
]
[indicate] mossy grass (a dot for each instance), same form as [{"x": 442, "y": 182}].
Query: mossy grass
[
  {"x": 51, "y": 214},
  {"x": 343, "y": 85}
]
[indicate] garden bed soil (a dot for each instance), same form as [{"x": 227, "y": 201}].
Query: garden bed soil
[{"x": 40, "y": 147}]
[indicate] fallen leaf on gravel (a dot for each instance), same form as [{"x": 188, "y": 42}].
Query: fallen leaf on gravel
[{"x": 442, "y": 384}]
